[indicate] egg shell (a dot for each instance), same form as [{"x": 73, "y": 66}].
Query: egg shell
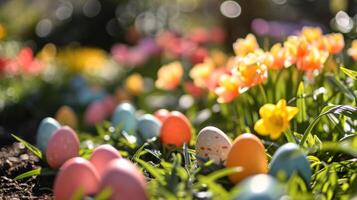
[
  {"x": 162, "y": 114},
  {"x": 66, "y": 116},
  {"x": 176, "y": 129},
  {"x": 289, "y": 159},
  {"x": 109, "y": 103},
  {"x": 247, "y": 152},
  {"x": 125, "y": 181},
  {"x": 260, "y": 187},
  {"x": 94, "y": 113},
  {"x": 124, "y": 115},
  {"x": 214, "y": 144},
  {"x": 148, "y": 127},
  {"x": 45, "y": 131},
  {"x": 75, "y": 174},
  {"x": 63, "y": 145},
  {"x": 101, "y": 157}
]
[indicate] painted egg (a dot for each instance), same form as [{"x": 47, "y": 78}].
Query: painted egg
[
  {"x": 260, "y": 187},
  {"x": 125, "y": 181},
  {"x": 63, "y": 145},
  {"x": 247, "y": 152},
  {"x": 77, "y": 175},
  {"x": 124, "y": 116},
  {"x": 94, "y": 113},
  {"x": 162, "y": 114},
  {"x": 45, "y": 131},
  {"x": 176, "y": 129},
  {"x": 66, "y": 116},
  {"x": 214, "y": 144},
  {"x": 101, "y": 157},
  {"x": 289, "y": 159},
  {"x": 109, "y": 103},
  {"x": 148, "y": 127}
]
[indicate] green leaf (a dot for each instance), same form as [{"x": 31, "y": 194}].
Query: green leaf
[
  {"x": 300, "y": 103},
  {"x": 37, "y": 152},
  {"x": 334, "y": 82},
  {"x": 155, "y": 172},
  {"x": 224, "y": 172},
  {"x": 104, "y": 194},
  {"x": 34, "y": 172},
  {"x": 350, "y": 73}
]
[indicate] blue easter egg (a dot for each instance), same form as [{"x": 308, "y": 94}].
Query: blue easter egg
[
  {"x": 260, "y": 187},
  {"x": 148, "y": 127},
  {"x": 45, "y": 131},
  {"x": 289, "y": 159},
  {"x": 124, "y": 117}
]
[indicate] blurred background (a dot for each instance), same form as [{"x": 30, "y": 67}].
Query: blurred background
[{"x": 99, "y": 31}]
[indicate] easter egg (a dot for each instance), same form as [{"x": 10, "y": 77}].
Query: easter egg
[
  {"x": 148, "y": 127},
  {"x": 162, "y": 114},
  {"x": 213, "y": 144},
  {"x": 66, "y": 116},
  {"x": 124, "y": 117},
  {"x": 176, "y": 129},
  {"x": 101, "y": 157},
  {"x": 77, "y": 175},
  {"x": 247, "y": 152},
  {"x": 63, "y": 145},
  {"x": 94, "y": 113},
  {"x": 45, "y": 131},
  {"x": 260, "y": 187},
  {"x": 125, "y": 181},
  {"x": 289, "y": 159}
]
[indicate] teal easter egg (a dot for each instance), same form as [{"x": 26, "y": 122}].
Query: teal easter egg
[
  {"x": 148, "y": 127},
  {"x": 289, "y": 159},
  {"x": 124, "y": 117},
  {"x": 45, "y": 131},
  {"x": 260, "y": 187}
]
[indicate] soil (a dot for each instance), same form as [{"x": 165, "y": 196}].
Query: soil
[{"x": 15, "y": 160}]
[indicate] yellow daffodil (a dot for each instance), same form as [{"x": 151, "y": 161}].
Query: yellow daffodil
[{"x": 274, "y": 119}]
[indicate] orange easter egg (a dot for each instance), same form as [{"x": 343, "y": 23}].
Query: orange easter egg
[
  {"x": 176, "y": 129},
  {"x": 66, "y": 116},
  {"x": 247, "y": 152}
]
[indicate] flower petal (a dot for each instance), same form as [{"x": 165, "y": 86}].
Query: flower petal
[
  {"x": 260, "y": 128},
  {"x": 266, "y": 110},
  {"x": 275, "y": 135},
  {"x": 292, "y": 111}
]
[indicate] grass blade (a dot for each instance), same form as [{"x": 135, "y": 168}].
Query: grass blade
[{"x": 37, "y": 152}]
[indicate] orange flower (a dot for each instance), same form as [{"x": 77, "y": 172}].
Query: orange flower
[
  {"x": 353, "y": 50},
  {"x": 313, "y": 60},
  {"x": 227, "y": 88},
  {"x": 245, "y": 46},
  {"x": 334, "y": 43},
  {"x": 251, "y": 69},
  {"x": 169, "y": 76},
  {"x": 201, "y": 72},
  {"x": 279, "y": 54},
  {"x": 311, "y": 34}
]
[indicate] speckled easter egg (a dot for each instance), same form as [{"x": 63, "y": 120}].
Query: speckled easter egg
[
  {"x": 124, "y": 116},
  {"x": 176, "y": 129},
  {"x": 213, "y": 144},
  {"x": 101, "y": 157},
  {"x": 289, "y": 159},
  {"x": 45, "y": 131},
  {"x": 148, "y": 127},
  {"x": 247, "y": 152},
  {"x": 66, "y": 116},
  {"x": 162, "y": 114},
  {"x": 63, "y": 145},
  {"x": 77, "y": 174},
  {"x": 125, "y": 181},
  {"x": 260, "y": 187},
  {"x": 94, "y": 113}
]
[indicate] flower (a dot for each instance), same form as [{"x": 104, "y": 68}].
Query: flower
[
  {"x": 274, "y": 119},
  {"x": 134, "y": 84},
  {"x": 200, "y": 73},
  {"x": 169, "y": 76},
  {"x": 2, "y": 32},
  {"x": 313, "y": 60},
  {"x": 249, "y": 44},
  {"x": 227, "y": 89},
  {"x": 334, "y": 43},
  {"x": 353, "y": 50},
  {"x": 311, "y": 33},
  {"x": 278, "y": 54}
]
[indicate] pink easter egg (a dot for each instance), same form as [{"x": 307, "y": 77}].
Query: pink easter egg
[
  {"x": 162, "y": 114},
  {"x": 62, "y": 146},
  {"x": 101, "y": 157},
  {"x": 124, "y": 180},
  {"x": 95, "y": 113},
  {"x": 109, "y": 103},
  {"x": 76, "y": 175}
]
